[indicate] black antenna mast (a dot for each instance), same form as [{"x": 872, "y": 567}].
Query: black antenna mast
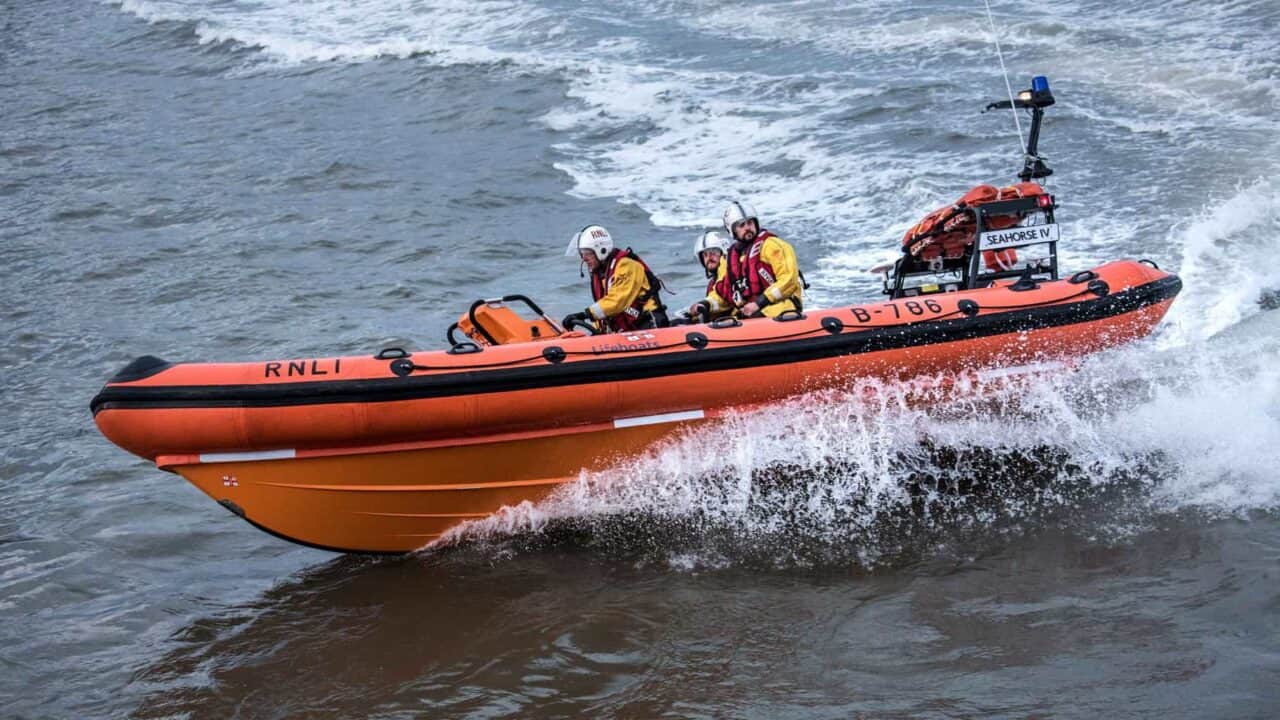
[{"x": 1036, "y": 100}]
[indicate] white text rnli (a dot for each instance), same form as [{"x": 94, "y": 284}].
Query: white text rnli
[{"x": 1018, "y": 236}]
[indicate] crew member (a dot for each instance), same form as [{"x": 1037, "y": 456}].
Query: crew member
[
  {"x": 711, "y": 248},
  {"x": 623, "y": 287},
  {"x": 760, "y": 276}
]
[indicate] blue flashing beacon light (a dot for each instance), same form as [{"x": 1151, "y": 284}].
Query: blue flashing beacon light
[{"x": 1039, "y": 84}]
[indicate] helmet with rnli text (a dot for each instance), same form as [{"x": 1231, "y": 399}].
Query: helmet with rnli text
[
  {"x": 738, "y": 212},
  {"x": 593, "y": 238},
  {"x": 710, "y": 240}
]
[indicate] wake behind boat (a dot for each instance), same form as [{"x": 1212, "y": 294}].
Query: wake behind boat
[{"x": 386, "y": 452}]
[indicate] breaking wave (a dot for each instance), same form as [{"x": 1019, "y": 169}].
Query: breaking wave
[
  {"x": 884, "y": 472},
  {"x": 1228, "y": 263}
]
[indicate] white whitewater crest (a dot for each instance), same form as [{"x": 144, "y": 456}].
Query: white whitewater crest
[
  {"x": 866, "y": 473},
  {"x": 1228, "y": 262},
  {"x": 307, "y": 31}
]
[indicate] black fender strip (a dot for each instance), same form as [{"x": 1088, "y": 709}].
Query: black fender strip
[{"x": 612, "y": 369}]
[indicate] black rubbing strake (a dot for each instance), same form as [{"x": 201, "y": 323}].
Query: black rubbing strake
[{"x": 614, "y": 368}]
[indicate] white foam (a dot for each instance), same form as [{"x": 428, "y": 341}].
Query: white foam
[
  {"x": 855, "y": 29},
  {"x": 296, "y": 32},
  {"x": 1207, "y": 424},
  {"x": 1229, "y": 259}
]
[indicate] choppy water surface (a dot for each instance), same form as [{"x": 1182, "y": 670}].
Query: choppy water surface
[{"x": 230, "y": 180}]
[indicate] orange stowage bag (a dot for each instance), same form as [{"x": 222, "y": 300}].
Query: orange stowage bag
[{"x": 955, "y": 230}]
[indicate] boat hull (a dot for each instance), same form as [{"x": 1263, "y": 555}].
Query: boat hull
[{"x": 396, "y": 499}]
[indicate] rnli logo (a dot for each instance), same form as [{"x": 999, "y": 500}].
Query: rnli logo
[
  {"x": 598, "y": 233},
  {"x": 302, "y": 368}
]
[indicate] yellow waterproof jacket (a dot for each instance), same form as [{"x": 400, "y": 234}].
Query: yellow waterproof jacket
[
  {"x": 718, "y": 306},
  {"x": 785, "y": 293},
  {"x": 623, "y": 284}
]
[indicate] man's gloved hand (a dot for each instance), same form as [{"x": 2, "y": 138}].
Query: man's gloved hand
[
  {"x": 571, "y": 318},
  {"x": 700, "y": 311},
  {"x": 754, "y": 307}
]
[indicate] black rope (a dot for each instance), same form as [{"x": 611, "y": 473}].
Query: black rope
[
  {"x": 1044, "y": 303},
  {"x": 486, "y": 366},
  {"x": 606, "y": 352},
  {"x": 772, "y": 337},
  {"x": 732, "y": 341}
]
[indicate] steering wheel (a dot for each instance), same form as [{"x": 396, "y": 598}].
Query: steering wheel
[{"x": 582, "y": 324}]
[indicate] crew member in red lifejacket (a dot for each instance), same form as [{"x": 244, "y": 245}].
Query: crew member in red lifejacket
[
  {"x": 711, "y": 248},
  {"x": 761, "y": 275},
  {"x": 625, "y": 290}
]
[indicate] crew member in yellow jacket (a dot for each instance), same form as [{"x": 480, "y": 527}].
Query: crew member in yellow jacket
[
  {"x": 761, "y": 275},
  {"x": 623, "y": 287},
  {"x": 711, "y": 249}
]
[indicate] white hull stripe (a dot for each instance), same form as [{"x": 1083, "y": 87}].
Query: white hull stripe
[
  {"x": 290, "y": 453},
  {"x": 655, "y": 419},
  {"x": 1019, "y": 370},
  {"x": 248, "y": 456}
]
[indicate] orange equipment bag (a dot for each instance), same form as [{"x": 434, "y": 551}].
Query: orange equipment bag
[{"x": 948, "y": 231}]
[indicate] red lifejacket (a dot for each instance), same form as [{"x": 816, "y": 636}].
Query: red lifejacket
[
  {"x": 746, "y": 275},
  {"x": 628, "y": 319}
]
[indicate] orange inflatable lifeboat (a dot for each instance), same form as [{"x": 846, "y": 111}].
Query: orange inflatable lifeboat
[{"x": 385, "y": 452}]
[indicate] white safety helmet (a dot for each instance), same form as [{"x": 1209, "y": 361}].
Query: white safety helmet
[
  {"x": 738, "y": 212},
  {"x": 593, "y": 238},
  {"x": 710, "y": 240}
]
